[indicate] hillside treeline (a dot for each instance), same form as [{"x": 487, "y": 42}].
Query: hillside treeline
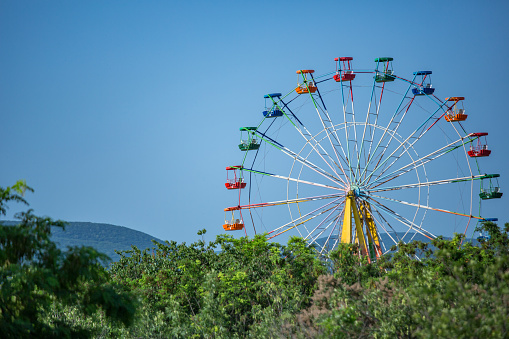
[{"x": 249, "y": 287}]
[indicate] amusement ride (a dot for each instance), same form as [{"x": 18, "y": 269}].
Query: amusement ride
[{"x": 362, "y": 156}]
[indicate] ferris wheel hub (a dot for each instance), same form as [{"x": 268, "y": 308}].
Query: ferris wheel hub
[{"x": 355, "y": 191}]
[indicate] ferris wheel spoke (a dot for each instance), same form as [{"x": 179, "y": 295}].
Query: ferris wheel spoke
[
  {"x": 323, "y": 153},
  {"x": 427, "y": 207},
  {"x": 329, "y": 129},
  {"x": 347, "y": 138},
  {"x": 293, "y": 179},
  {"x": 421, "y": 161},
  {"x": 411, "y": 226},
  {"x": 369, "y": 123},
  {"x": 392, "y": 121},
  {"x": 304, "y": 222},
  {"x": 457, "y": 132},
  {"x": 353, "y": 124},
  {"x": 381, "y": 222},
  {"x": 335, "y": 243},
  {"x": 401, "y": 219},
  {"x": 332, "y": 224},
  {"x": 423, "y": 130},
  {"x": 373, "y": 156},
  {"x": 303, "y": 131},
  {"x": 411, "y": 137},
  {"x": 285, "y": 202},
  {"x": 319, "y": 226},
  {"x": 302, "y": 219},
  {"x": 340, "y": 216},
  {"x": 428, "y": 183},
  {"x": 397, "y": 122},
  {"x": 297, "y": 157},
  {"x": 336, "y": 145}
]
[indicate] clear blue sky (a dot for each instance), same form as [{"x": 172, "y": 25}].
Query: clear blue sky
[{"x": 127, "y": 112}]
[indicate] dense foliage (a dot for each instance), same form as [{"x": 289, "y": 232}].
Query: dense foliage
[
  {"x": 249, "y": 287},
  {"x": 452, "y": 292},
  {"x": 37, "y": 279},
  {"x": 223, "y": 288},
  {"x": 252, "y": 288}
]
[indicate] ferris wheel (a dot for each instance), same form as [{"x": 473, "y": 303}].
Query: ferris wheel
[{"x": 363, "y": 156}]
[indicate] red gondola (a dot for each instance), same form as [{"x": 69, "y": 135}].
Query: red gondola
[
  {"x": 480, "y": 149},
  {"x": 237, "y": 182},
  {"x": 345, "y": 73}
]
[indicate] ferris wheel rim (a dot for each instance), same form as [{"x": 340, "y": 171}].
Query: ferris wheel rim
[{"x": 344, "y": 125}]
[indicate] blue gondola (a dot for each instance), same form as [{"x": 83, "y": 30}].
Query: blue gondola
[
  {"x": 274, "y": 111},
  {"x": 484, "y": 237},
  {"x": 424, "y": 88},
  {"x": 272, "y": 95}
]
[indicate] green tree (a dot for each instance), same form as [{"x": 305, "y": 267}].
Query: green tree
[
  {"x": 35, "y": 276},
  {"x": 226, "y": 288},
  {"x": 445, "y": 289}
]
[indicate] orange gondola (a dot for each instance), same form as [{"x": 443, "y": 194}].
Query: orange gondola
[
  {"x": 453, "y": 112},
  {"x": 233, "y": 224},
  {"x": 306, "y": 86}
]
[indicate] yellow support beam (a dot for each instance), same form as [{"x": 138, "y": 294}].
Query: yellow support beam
[
  {"x": 373, "y": 240},
  {"x": 346, "y": 233}
]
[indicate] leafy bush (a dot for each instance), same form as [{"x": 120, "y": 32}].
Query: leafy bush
[
  {"x": 453, "y": 292},
  {"x": 36, "y": 276},
  {"x": 206, "y": 292}
]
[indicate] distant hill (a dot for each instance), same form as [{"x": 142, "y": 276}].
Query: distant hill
[{"x": 105, "y": 238}]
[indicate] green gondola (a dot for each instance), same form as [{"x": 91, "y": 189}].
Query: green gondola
[
  {"x": 384, "y": 77},
  {"x": 387, "y": 74},
  {"x": 251, "y": 143},
  {"x": 249, "y": 146},
  {"x": 491, "y": 191}
]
